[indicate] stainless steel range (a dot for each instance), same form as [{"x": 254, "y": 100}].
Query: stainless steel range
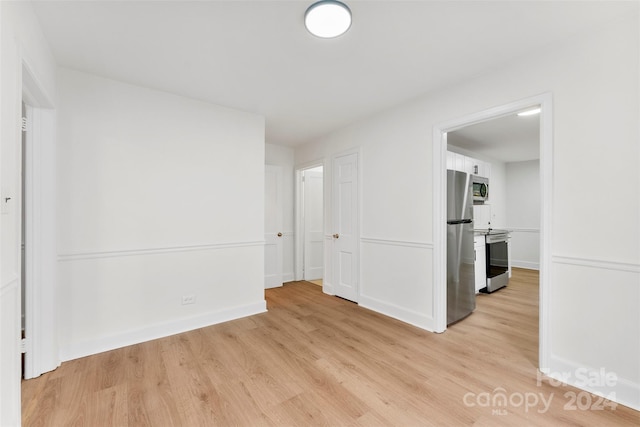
[{"x": 497, "y": 259}]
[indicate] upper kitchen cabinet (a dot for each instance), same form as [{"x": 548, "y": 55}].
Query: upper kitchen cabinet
[
  {"x": 460, "y": 162},
  {"x": 483, "y": 168}
]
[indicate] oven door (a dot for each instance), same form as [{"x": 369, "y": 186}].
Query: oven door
[{"x": 497, "y": 262}]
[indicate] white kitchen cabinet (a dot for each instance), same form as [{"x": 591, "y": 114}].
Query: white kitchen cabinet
[
  {"x": 484, "y": 169},
  {"x": 462, "y": 163},
  {"x": 480, "y": 264},
  {"x": 460, "y": 160},
  {"x": 469, "y": 164},
  {"x": 451, "y": 160},
  {"x": 457, "y": 162}
]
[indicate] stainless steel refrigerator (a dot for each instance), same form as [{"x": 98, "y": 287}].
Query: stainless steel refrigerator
[{"x": 461, "y": 295}]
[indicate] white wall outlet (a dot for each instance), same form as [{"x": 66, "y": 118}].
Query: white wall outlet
[{"x": 188, "y": 299}]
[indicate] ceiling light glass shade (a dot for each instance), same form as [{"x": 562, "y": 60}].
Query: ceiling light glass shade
[{"x": 327, "y": 18}]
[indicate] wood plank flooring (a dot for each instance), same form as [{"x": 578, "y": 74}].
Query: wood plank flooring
[{"x": 313, "y": 360}]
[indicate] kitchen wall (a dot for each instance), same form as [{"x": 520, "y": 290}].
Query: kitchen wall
[
  {"x": 523, "y": 212},
  {"x": 514, "y": 205},
  {"x": 593, "y": 279},
  {"x": 160, "y": 197},
  {"x": 283, "y": 156}
]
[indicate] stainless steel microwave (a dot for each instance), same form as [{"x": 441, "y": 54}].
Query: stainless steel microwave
[{"x": 480, "y": 189}]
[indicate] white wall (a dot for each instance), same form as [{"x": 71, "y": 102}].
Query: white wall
[
  {"x": 159, "y": 196},
  {"x": 594, "y": 279},
  {"x": 21, "y": 44},
  {"x": 523, "y": 212},
  {"x": 283, "y": 156}
]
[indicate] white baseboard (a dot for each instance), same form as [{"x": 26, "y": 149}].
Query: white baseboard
[
  {"x": 160, "y": 330},
  {"x": 327, "y": 287},
  {"x": 525, "y": 264},
  {"x": 621, "y": 391},
  {"x": 408, "y": 316},
  {"x": 288, "y": 277}
]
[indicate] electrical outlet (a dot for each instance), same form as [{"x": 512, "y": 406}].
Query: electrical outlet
[{"x": 188, "y": 299}]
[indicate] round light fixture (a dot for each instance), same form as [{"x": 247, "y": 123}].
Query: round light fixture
[{"x": 327, "y": 19}]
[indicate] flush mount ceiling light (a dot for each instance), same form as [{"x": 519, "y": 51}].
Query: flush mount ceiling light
[
  {"x": 530, "y": 112},
  {"x": 327, "y": 19}
]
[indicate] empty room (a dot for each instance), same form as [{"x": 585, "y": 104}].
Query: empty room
[{"x": 260, "y": 213}]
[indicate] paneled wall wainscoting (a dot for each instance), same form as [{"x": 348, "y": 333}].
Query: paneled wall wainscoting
[
  {"x": 597, "y": 285},
  {"x": 160, "y": 330},
  {"x": 118, "y": 298},
  {"x": 525, "y": 247},
  {"x": 327, "y": 280},
  {"x": 397, "y": 280},
  {"x": 9, "y": 359},
  {"x": 288, "y": 273}
]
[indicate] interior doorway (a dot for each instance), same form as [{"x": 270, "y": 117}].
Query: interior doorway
[
  {"x": 546, "y": 184},
  {"x": 23, "y": 223},
  {"x": 310, "y": 224},
  {"x": 39, "y": 258},
  {"x": 506, "y": 152}
]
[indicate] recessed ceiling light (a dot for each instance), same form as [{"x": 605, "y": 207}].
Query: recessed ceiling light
[
  {"x": 530, "y": 112},
  {"x": 327, "y": 19}
]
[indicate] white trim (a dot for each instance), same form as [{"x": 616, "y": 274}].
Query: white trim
[
  {"x": 32, "y": 94},
  {"x": 154, "y": 251},
  {"x": 42, "y": 350},
  {"x": 288, "y": 276},
  {"x": 439, "y": 154},
  {"x": 546, "y": 198},
  {"x": 401, "y": 313},
  {"x": 546, "y": 232},
  {"x": 525, "y": 264},
  {"x": 10, "y": 282},
  {"x": 402, "y": 243},
  {"x": 161, "y": 330},
  {"x": 596, "y": 263},
  {"x": 624, "y": 392}
]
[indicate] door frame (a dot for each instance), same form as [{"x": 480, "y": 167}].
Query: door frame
[
  {"x": 41, "y": 344},
  {"x": 545, "y": 101},
  {"x": 299, "y": 209}
]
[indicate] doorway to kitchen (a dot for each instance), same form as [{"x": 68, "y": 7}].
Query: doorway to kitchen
[
  {"x": 440, "y": 136},
  {"x": 309, "y": 259}
]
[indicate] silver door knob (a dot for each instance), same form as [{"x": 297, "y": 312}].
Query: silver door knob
[
  {"x": 336, "y": 236},
  {"x": 279, "y": 234}
]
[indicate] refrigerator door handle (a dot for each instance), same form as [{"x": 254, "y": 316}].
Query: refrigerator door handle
[{"x": 459, "y": 221}]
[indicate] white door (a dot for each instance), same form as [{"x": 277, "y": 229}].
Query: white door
[
  {"x": 345, "y": 226},
  {"x": 313, "y": 225},
  {"x": 273, "y": 247}
]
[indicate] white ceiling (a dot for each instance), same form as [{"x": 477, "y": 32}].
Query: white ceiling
[
  {"x": 510, "y": 138},
  {"x": 256, "y": 56}
]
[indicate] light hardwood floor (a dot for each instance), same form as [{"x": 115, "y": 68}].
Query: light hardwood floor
[{"x": 314, "y": 359}]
